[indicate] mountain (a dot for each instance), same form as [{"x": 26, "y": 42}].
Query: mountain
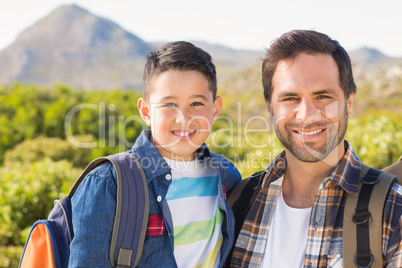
[
  {"x": 71, "y": 46},
  {"x": 371, "y": 56},
  {"x": 74, "y": 47},
  {"x": 228, "y": 61}
]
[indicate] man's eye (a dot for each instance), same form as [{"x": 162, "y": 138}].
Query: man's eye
[
  {"x": 323, "y": 97},
  {"x": 289, "y": 99},
  {"x": 197, "y": 103}
]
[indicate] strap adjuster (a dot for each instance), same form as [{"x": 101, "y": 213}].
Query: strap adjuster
[
  {"x": 367, "y": 258},
  {"x": 370, "y": 179},
  {"x": 361, "y": 217}
]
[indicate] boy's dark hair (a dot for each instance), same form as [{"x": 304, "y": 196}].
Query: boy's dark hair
[
  {"x": 291, "y": 44},
  {"x": 181, "y": 56}
]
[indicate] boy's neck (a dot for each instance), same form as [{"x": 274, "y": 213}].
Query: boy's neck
[{"x": 177, "y": 157}]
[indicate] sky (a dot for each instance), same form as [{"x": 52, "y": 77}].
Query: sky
[{"x": 251, "y": 24}]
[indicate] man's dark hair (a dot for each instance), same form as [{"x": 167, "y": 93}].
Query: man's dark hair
[
  {"x": 181, "y": 56},
  {"x": 291, "y": 44}
]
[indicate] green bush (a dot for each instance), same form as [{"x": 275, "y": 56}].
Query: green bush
[
  {"x": 27, "y": 192},
  {"x": 28, "y": 112},
  {"x": 376, "y": 138},
  {"x": 55, "y": 149},
  {"x": 10, "y": 256}
]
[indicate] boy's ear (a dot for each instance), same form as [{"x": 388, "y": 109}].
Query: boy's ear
[
  {"x": 217, "y": 107},
  {"x": 144, "y": 110}
]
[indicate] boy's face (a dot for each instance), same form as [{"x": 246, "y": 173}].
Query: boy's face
[{"x": 180, "y": 111}]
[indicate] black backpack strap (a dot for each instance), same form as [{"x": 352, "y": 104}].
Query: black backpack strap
[
  {"x": 242, "y": 204},
  {"x": 240, "y": 199},
  {"x": 362, "y": 240},
  {"x": 132, "y": 208}
]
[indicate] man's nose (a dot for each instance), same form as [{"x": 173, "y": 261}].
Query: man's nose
[{"x": 308, "y": 112}]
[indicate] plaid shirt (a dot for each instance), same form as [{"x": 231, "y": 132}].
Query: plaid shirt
[{"x": 324, "y": 242}]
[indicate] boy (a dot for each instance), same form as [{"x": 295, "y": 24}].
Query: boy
[{"x": 190, "y": 223}]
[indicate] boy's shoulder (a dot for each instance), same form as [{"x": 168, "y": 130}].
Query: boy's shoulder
[
  {"x": 229, "y": 173},
  {"x": 104, "y": 172},
  {"x": 223, "y": 161}
]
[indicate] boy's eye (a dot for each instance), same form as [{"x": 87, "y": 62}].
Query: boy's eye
[
  {"x": 197, "y": 103},
  {"x": 168, "y": 105}
]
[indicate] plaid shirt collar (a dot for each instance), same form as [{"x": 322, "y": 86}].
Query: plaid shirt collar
[
  {"x": 345, "y": 174},
  {"x": 250, "y": 245}
]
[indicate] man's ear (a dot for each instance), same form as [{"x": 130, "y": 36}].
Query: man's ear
[
  {"x": 350, "y": 104},
  {"x": 270, "y": 113},
  {"x": 218, "y": 103},
  {"x": 144, "y": 110}
]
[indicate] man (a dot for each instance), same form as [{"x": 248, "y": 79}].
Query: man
[{"x": 296, "y": 219}]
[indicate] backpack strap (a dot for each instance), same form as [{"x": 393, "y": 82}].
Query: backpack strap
[
  {"x": 240, "y": 200},
  {"x": 362, "y": 241},
  {"x": 132, "y": 208},
  {"x": 395, "y": 169},
  {"x": 242, "y": 197}
]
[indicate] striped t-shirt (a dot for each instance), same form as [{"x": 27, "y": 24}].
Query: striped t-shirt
[{"x": 193, "y": 202}]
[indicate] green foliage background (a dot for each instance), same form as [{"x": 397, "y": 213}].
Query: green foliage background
[{"x": 39, "y": 163}]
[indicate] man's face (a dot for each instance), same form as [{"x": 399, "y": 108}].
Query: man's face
[{"x": 308, "y": 107}]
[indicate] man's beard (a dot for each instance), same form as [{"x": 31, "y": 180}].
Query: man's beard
[{"x": 335, "y": 133}]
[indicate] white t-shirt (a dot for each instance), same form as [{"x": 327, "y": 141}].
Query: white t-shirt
[
  {"x": 287, "y": 237},
  {"x": 193, "y": 202}
]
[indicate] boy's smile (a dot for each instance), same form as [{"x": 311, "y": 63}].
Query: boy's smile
[{"x": 181, "y": 111}]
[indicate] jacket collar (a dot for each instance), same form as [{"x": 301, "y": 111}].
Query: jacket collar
[{"x": 152, "y": 162}]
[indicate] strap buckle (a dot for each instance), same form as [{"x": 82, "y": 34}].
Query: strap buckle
[
  {"x": 370, "y": 179},
  {"x": 361, "y": 217},
  {"x": 367, "y": 258},
  {"x": 241, "y": 207}
]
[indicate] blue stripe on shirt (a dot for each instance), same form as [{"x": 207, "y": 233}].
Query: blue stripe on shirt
[{"x": 190, "y": 187}]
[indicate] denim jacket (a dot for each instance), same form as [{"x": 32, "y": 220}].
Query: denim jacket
[{"x": 94, "y": 205}]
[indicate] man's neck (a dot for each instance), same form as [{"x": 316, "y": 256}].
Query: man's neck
[{"x": 302, "y": 179}]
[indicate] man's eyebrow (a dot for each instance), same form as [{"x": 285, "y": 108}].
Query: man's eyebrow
[
  {"x": 287, "y": 94},
  {"x": 324, "y": 91}
]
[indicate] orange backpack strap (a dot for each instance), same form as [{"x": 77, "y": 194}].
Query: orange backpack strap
[{"x": 40, "y": 248}]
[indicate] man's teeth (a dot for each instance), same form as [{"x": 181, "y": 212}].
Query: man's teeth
[{"x": 311, "y": 133}]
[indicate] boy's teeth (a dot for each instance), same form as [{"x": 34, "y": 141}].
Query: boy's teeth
[
  {"x": 311, "y": 133},
  {"x": 182, "y": 134}
]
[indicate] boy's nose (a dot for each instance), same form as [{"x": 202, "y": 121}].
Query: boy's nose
[{"x": 182, "y": 116}]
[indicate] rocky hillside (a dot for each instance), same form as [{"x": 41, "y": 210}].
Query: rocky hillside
[
  {"x": 71, "y": 46},
  {"x": 74, "y": 47}
]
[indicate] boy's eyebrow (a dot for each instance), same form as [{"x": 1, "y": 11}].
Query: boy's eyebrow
[
  {"x": 196, "y": 96},
  {"x": 200, "y": 96},
  {"x": 166, "y": 98}
]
